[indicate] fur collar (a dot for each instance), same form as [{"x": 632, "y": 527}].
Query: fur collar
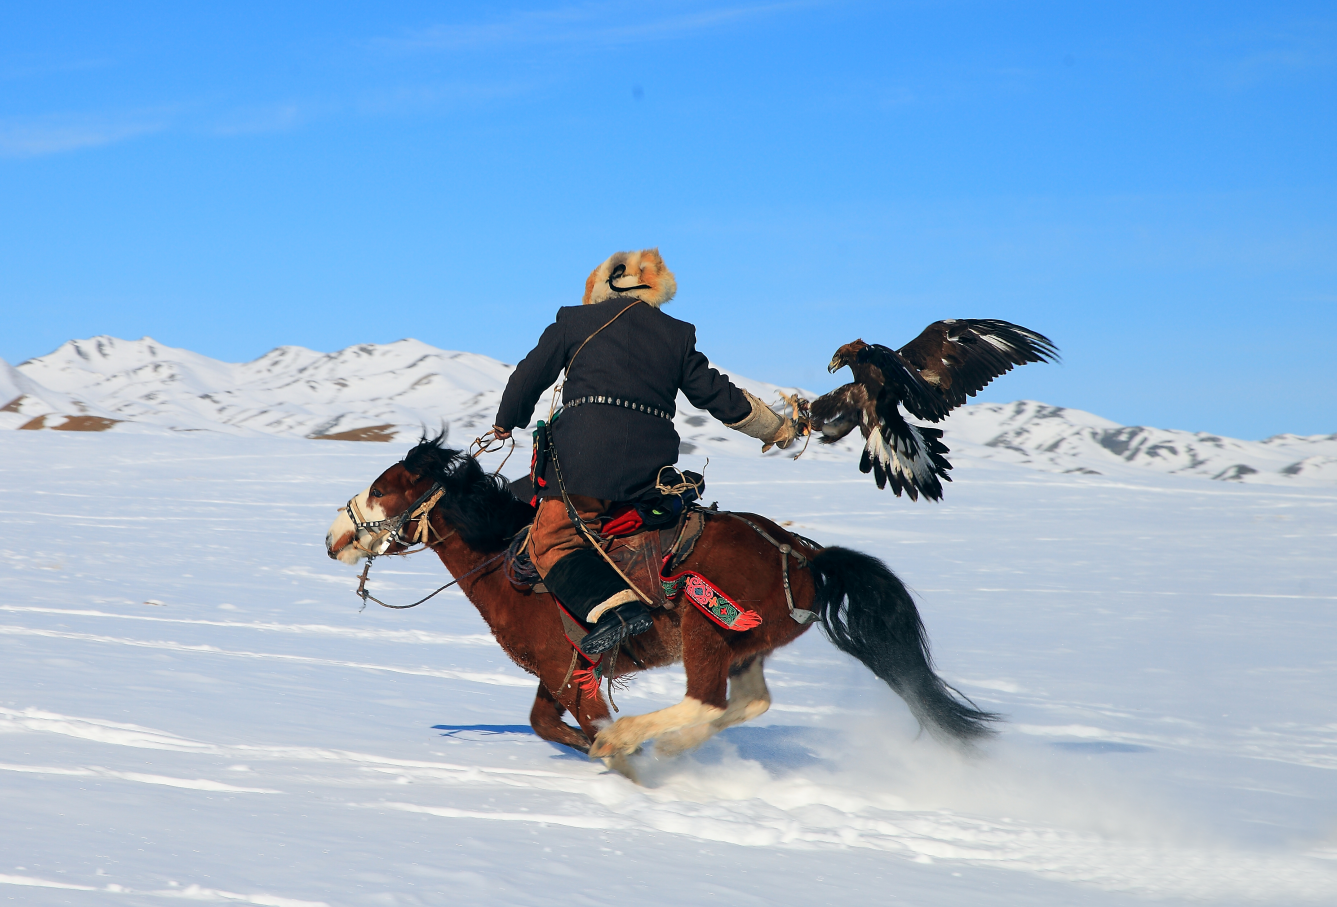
[{"x": 640, "y": 275}]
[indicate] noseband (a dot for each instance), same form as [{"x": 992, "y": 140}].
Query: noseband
[{"x": 390, "y": 529}]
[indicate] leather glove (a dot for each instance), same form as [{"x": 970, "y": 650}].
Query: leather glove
[{"x": 763, "y": 424}]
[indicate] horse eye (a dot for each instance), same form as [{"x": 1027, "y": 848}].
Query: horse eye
[{"x": 376, "y": 493}]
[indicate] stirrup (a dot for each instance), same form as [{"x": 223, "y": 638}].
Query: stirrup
[{"x": 629, "y": 619}]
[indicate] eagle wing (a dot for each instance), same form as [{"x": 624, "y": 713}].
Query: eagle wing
[
  {"x": 958, "y": 358},
  {"x": 904, "y": 383}
]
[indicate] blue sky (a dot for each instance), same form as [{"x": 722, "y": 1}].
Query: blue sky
[{"x": 1153, "y": 185}]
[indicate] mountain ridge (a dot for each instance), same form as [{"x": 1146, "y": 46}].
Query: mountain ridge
[{"x": 395, "y": 391}]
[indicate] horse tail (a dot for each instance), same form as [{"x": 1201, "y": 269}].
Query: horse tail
[{"x": 868, "y": 613}]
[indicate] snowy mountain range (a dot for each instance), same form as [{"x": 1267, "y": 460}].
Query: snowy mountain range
[
  {"x": 1071, "y": 440},
  {"x": 392, "y": 392}
]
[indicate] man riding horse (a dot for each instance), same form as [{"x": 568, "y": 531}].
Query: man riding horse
[{"x": 616, "y": 429}]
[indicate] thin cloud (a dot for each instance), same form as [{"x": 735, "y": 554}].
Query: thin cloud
[
  {"x": 56, "y": 134},
  {"x": 1280, "y": 62},
  {"x": 585, "y": 24}
]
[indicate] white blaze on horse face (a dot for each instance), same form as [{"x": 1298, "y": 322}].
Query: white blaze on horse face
[{"x": 343, "y": 534}]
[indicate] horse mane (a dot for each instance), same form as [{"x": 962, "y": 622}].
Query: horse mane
[{"x": 478, "y": 505}]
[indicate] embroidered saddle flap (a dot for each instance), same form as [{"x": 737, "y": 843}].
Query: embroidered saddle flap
[
  {"x": 639, "y": 556},
  {"x": 647, "y": 556},
  {"x": 643, "y": 556}
]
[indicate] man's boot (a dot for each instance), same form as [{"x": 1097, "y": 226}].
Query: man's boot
[{"x": 591, "y": 590}]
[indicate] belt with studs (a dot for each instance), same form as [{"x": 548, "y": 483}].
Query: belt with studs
[{"x": 619, "y": 401}]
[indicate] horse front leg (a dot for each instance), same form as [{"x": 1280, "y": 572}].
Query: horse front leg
[
  {"x": 748, "y": 698},
  {"x": 557, "y": 683},
  {"x": 546, "y": 720},
  {"x": 706, "y": 658}
]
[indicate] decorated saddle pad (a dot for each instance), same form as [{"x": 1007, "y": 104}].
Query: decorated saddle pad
[{"x": 713, "y": 603}]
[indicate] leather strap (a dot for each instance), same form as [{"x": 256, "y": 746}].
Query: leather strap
[{"x": 592, "y": 336}]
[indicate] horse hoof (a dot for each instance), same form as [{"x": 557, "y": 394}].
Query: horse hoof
[
  {"x": 604, "y": 749},
  {"x": 676, "y": 742},
  {"x": 613, "y": 740},
  {"x": 621, "y": 763}
]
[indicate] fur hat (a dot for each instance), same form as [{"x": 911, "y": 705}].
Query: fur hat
[{"x": 638, "y": 274}]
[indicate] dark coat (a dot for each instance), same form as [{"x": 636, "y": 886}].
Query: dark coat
[{"x": 645, "y": 356}]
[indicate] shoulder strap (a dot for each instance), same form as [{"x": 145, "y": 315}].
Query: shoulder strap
[
  {"x": 552, "y": 408},
  {"x": 591, "y": 337}
]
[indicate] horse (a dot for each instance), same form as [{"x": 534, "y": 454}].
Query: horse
[{"x": 468, "y": 517}]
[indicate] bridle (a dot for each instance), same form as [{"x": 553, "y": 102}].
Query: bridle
[{"x": 390, "y": 530}]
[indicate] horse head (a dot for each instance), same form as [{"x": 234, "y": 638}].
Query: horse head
[
  {"x": 372, "y": 522},
  {"x": 392, "y": 513}
]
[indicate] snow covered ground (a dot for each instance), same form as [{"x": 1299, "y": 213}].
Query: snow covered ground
[{"x": 194, "y": 708}]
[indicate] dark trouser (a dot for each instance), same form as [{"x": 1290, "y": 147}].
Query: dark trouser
[{"x": 573, "y": 571}]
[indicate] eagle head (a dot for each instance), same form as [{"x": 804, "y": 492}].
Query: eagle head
[
  {"x": 845, "y": 356},
  {"x": 641, "y": 275}
]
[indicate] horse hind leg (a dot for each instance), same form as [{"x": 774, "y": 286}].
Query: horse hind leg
[
  {"x": 625, "y": 735},
  {"x": 706, "y": 659},
  {"x": 546, "y": 720},
  {"x": 748, "y": 698}
]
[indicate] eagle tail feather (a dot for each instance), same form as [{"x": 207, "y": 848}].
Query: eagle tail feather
[{"x": 909, "y": 457}]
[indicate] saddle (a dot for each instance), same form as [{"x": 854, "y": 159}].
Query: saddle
[{"x": 644, "y": 555}]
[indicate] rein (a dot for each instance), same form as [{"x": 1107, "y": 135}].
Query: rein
[
  {"x": 421, "y": 511},
  {"x": 367, "y": 596}
]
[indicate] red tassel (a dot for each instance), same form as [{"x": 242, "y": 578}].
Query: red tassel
[
  {"x": 587, "y": 681},
  {"x": 746, "y": 621}
]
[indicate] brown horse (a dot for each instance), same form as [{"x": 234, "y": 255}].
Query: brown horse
[{"x": 863, "y": 608}]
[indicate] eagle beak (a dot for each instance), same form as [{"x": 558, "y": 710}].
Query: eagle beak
[{"x": 837, "y": 363}]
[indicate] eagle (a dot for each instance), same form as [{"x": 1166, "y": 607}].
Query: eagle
[{"x": 930, "y": 376}]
